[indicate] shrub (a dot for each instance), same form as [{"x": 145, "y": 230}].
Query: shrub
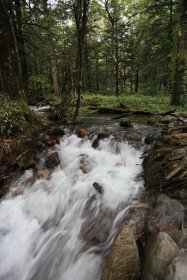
[{"x": 14, "y": 116}]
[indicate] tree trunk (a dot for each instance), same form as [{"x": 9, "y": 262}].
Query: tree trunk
[
  {"x": 81, "y": 17},
  {"x": 52, "y": 58},
  {"x": 9, "y": 66},
  {"x": 180, "y": 62},
  {"x": 21, "y": 45},
  {"x": 136, "y": 81}
]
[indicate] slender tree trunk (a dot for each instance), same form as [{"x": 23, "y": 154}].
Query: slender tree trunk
[
  {"x": 136, "y": 81},
  {"x": 21, "y": 45},
  {"x": 86, "y": 57}
]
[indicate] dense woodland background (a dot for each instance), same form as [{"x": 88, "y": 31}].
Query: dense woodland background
[{"x": 61, "y": 49}]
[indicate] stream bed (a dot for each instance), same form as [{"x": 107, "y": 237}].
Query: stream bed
[{"x": 45, "y": 232}]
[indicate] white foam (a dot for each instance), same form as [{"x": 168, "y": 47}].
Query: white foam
[{"x": 40, "y": 230}]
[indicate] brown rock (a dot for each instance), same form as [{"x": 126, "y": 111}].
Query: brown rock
[
  {"x": 18, "y": 191},
  {"x": 82, "y": 132},
  {"x": 52, "y": 160},
  {"x": 122, "y": 262}
]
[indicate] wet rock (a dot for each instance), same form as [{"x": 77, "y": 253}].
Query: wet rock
[
  {"x": 149, "y": 139},
  {"x": 125, "y": 123},
  {"x": 177, "y": 270},
  {"x": 97, "y": 226},
  {"x": 56, "y": 131},
  {"x": 98, "y": 187},
  {"x": 26, "y": 160},
  {"x": 82, "y": 132},
  {"x": 18, "y": 191},
  {"x": 52, "y": 141},
  {"x": 137, "y": 219},
  {"x": 52, "y": 160},
  {"x": 99, "y": 137},
  {"x": 86, "y": 163},
  {"x": 122, "y": 262},
  {"x": 160, "y": 251},
  {"x": 166, "y": 215}
]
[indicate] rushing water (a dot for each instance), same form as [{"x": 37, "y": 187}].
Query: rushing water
[{"x": 43, "y": 232}]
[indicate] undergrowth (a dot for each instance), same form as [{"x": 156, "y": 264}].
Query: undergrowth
[
  {"x": 15, "y": 117},
  {"x": 133, "y": 102}
]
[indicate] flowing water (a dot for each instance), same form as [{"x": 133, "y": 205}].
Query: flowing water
[{"x": 45, "y": 233}]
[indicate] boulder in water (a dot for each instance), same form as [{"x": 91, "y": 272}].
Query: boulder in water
[
  {"x": 98, "y": 187},
  {"x": 99, "y": 137},
  {"x": 82, "y": 132},
  {"x": 52, "y": 160},
  {"x": 122, "y": 262},
  {"x": 125, "y": 123},
  {"x": 160, "y": 251},
  {"x": 18, "y": 191}
]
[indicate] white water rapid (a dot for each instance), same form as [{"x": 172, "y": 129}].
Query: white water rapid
[{"x": 46, "y": 233}]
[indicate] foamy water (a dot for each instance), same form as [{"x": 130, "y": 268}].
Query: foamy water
[{"x": 42, "y": 231}]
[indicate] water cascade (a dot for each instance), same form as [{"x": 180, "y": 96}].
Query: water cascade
[{"x": 62, "y": 227}]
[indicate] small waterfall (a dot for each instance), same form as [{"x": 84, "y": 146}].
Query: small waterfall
[{"x": 61, "y": 228}]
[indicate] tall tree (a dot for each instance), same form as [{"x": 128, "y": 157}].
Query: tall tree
[
  {"x": 81, "y": 8},
  {"x": 180, "y": 56},
  {"x": 9, "y": 63}
]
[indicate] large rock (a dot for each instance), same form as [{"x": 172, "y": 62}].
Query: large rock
[
  {"x": 166, "y": 215},
  {"x": 82, "y": 132},
  {"x": 122, "y": 262},
  {"x": 160, "y": 251},
  {"x": 177, "y": 270},
  {"x": 52, "y": 160},
  {"x": 125, "y": 123}
]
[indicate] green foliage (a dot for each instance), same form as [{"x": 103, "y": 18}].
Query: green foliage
[
  {"x": 60, "y": 109},
  {"x": 158, "y": 103},
  {"x": 14, "y": 117}
]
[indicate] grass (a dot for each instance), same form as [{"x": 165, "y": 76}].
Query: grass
[{"x": 154, "y": 104}]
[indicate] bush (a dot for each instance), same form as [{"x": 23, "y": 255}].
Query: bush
[{"x": 14, "y": 116}]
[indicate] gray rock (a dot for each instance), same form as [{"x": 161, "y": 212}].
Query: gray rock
[
  {"x": 160, "y": 251},
  {"x": 177, "y": 270},
  {"x": 167, "y": 213},
  {"x": 180, "y": 238},
  {"x": 125, "y": 123}
]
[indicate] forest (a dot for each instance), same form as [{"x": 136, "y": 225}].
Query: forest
[{"x": 59, "y": 52}]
